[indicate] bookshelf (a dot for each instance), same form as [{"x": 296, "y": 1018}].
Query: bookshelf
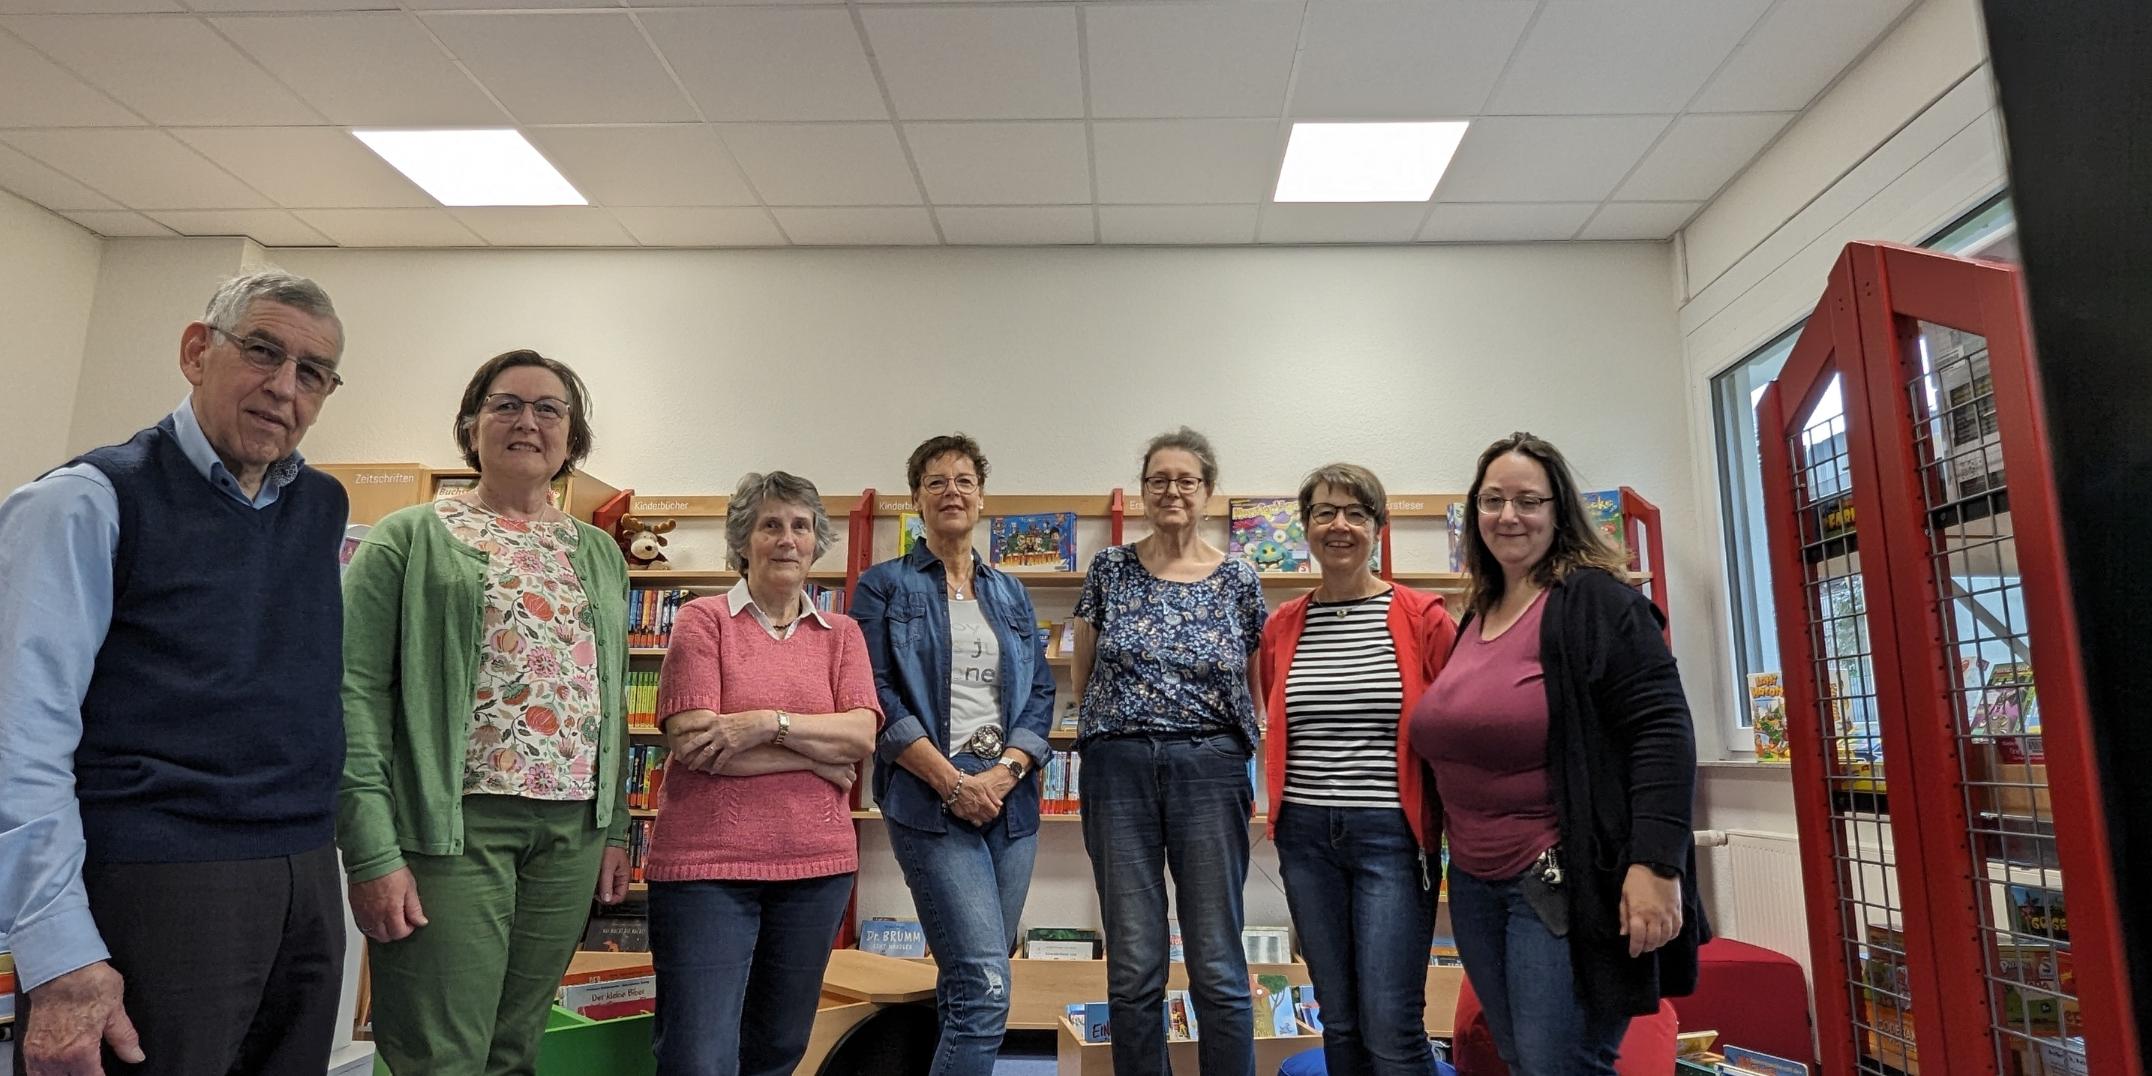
[{"x": 1414, "y": 545}]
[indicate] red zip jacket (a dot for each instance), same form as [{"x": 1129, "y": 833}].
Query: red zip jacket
[{"x": 1423, "y": 632}]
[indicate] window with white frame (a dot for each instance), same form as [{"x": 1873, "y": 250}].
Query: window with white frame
[{"x": 1987, "y": 232}]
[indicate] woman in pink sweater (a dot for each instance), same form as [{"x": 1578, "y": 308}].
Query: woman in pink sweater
[{"x": 767, "y": 705}]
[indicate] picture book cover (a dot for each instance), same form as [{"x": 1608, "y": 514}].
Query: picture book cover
[
  {"x": 2039, "y": 913},
  {"x": 1767, "y": 717},
  {"x": 1603, "y": 510},
  {"x": 1266, "y": 532},
  {"x": 2010, "y": 713},
  {"x": 1764, "y": 1064},
  {"x": 1180, "y": 1017},
  {"x": 911, "y": 530},
  {"x": 1307, "y": 1008},
  {"x": 1097, "y": 1022},
  {"x": 1274, "y": 1017},
  {"x": 893, "y": 937},
  {"x": 1456, "y": 521},
  {"x": 1045, "y": 542}
]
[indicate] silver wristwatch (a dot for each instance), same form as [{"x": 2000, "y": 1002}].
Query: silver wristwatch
[{"x": 1015, "y": 768}]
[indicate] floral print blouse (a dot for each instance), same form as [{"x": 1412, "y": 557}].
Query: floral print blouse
[
  {"x": 1172, "y": 657},
  {"x": 536, "y": 716}
]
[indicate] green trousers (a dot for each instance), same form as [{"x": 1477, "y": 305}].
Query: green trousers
[{"x": 468, "y": 993}]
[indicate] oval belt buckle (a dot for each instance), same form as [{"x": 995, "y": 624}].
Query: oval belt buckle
[{"x": 986, "y": 743}]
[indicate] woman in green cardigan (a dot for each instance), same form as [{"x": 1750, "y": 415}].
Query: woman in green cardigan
[{"x": 482, "y": 801}]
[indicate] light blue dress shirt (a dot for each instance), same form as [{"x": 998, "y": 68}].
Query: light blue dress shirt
[{"x": 57, "y": 538}]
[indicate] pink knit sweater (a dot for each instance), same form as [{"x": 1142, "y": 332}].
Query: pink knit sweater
[{"x": 770, "y": 827}]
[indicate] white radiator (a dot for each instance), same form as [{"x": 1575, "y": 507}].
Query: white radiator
[{"x": 1752, "y": 889}]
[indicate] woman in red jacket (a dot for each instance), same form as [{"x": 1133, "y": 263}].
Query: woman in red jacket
[{"x": 1342, "y": 667}]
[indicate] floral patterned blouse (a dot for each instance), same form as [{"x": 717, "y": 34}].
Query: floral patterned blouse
[
  {"x": 536, "y": 718},
  {"x": 1172, "y": 657}
]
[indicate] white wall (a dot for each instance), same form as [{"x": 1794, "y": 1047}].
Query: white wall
[
  {"x": 48, "y": 279},
  {"x": 1062, "y": 362},
  {"x": 147, "y": 291},
  {"x": 1904, "y": 143}
]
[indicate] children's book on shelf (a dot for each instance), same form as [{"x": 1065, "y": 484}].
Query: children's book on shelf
[
  {"x": 892, "y": 937},
  {"x": 1455, "y": 519},
  {"x": 1097, "y": 1022},
  {"x": 1267, "y": 945},
  {"x": 646, "y": 775},
  {"x": 1043, "y": 542},
  {"x": 617, "y": 934},
  {"x": 2010, "y": 713},
  {"x": 1266, "y": 532},
  {"x": 1274, "y": 1013},
  {"x": 1174, "y": 951},
  {"x": 1761, "y": 1063},
  {"x": 1602, "y": 509},
  {"x": 1442, "y": 952},
  {"x": 1181, "y": 1017},
  {"x": 1061, "y": 943},
  {"x": 7, "y": 985},
  {"x": 651, "y": 611},
  {"x": 1767, "y": 716},
  {"x": 2036, "y": 912},
  {"x": 1307, "y": 1008},
  {"x": 911, "y": 530},
  {"x": 611, "y": 999}
]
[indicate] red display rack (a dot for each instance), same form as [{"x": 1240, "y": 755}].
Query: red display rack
[{"x": 1944, "y": 791}]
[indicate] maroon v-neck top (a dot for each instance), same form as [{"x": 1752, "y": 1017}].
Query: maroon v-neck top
[{"x": 1482, "y": 726}]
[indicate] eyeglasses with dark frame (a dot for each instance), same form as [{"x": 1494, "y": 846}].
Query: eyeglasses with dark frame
[
  {"x": 314, "y": 378},
  {"x": 507, "y": 407},
  {"x": 1157, "y": 485},
  {"x": 1526, "y": 503},
  {"x": 1357, "y": 515}
]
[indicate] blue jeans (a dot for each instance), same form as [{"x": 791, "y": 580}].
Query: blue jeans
[
  {"x": 1522, "y": 975},
  {"x": 969, "y": 885},
  {"x": 739, "y": 968},
  {"x": 1149, "y": 803},
  {"x": 1365, "y": 913}
]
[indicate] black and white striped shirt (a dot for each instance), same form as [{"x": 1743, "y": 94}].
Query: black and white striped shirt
[{"x": 1342, "y": 698}]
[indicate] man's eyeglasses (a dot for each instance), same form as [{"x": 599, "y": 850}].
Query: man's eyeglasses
[
  {"x": 938, "y": 485},
  {"x": 507, "y": 407},
  {"x": 314, "y": 379},
  {"x": 1158, "y": 485},
  {"x": 1526, "y": 503},
  {"x": 1358, "y": 515}
]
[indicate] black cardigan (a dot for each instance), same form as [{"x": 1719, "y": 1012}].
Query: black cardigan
[{"x": 1621, "y": 753}]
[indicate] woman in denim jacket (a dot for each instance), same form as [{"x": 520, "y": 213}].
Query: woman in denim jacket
[{"x": 964, "y": 682}]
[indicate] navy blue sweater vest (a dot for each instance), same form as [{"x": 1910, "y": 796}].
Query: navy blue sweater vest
[{"x": 213, "y": 728}]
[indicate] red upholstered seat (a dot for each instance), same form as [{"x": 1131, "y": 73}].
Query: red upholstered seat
[
  {"x": 1750, "y": 995},
  {"x": 1753, "y": 997},
  {"x": 1647, "y": 1049}
]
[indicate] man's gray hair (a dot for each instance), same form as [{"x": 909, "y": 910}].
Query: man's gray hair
[
  {"x": 746, "y": 507},
  {"x": 236, "y": 296}
]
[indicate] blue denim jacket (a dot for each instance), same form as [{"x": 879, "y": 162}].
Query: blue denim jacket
[{"x": 902, "y": 607}]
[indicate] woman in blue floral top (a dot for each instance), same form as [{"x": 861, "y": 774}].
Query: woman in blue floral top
[{"x": 1166, "y": 634}]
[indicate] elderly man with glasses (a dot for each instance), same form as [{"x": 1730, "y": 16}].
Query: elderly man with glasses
[{"x": 170, "y": 727}]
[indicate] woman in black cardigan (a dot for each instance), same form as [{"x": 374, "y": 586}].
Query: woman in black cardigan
[{"x": 1563, "y": 770}]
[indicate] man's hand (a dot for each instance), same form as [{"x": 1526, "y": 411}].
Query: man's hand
[
  {"x": 387, "y": 908},
  {"x": 613, "y": 876},
  {"x": 71, "y": 1017}
]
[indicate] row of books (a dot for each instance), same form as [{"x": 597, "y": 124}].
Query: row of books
[
  {"x": 646, "y": 775},
  {"x": 1267, "y": 532},
  {"x": 650, "y": 614},
  {"x": 1061, "y": 790},
  {"x": 652, "y": 610},
  {"x": 7, "y": 985},
  {"x": 643, "y": 699},
  {"x": 638, "y": 846},
  {"x": 890, "y": 936},
  {"x": 1281, "y": 1011}
]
